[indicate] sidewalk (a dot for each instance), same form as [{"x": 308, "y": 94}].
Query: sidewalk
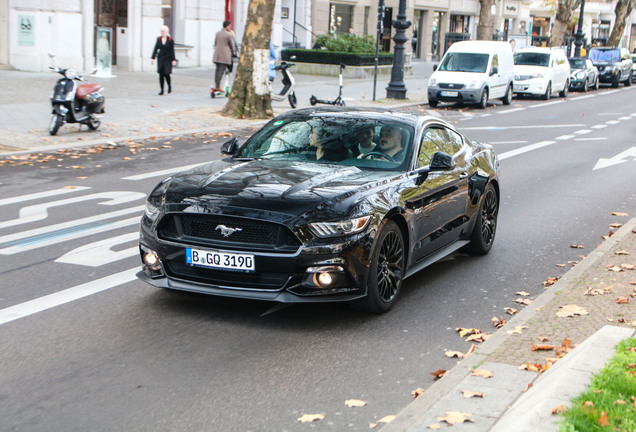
[
  {"x": 135, "y": 111},
  {"x": 521, "y": 400}
]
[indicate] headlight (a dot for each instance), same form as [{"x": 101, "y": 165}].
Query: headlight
[
  {"x": 472, "y": 85},
  {"x": 155, "y": 199},
  {"x": 70, "y": 73},
  {"x": 536, "y": 75},
  {"x": 580, "y": 75},
  {"x": 432, "y": 82},
  {"x": 341, "y": 228}
]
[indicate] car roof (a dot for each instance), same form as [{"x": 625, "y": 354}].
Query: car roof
[{"x": 376, "y": 113}]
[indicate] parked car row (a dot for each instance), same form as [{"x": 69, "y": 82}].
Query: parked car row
[{"x": 476, "y": 71}]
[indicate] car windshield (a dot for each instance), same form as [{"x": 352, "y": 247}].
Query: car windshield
[
  {"x": 532, "y": 59},
  {"x": 577, "y": 63},
  {"x": 611, "y": 55},
  {"x": 464, "y": 62},
  {"x": 333, "y": 139}
]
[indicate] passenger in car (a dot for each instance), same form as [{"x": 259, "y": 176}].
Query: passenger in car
[
  {"x": 328, "y": 144},
  {"x": 365, "y": 143}
]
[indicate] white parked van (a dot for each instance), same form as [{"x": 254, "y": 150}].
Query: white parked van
[
  {"x": 473, "y": 72},
  {"x": 541, "y": 71}
]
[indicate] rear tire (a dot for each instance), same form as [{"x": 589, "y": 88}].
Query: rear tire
[
  {"x": 483, "y": 235},
  {"x": 293, "y": 102},
  {"x": 564, "y": 93},
  {"x": 93, "y": 124},
  {"x": 585, "y": 86},
  {"x": 386, "y": 271},
  {"x": 507, "y": 99},
  {"x": 56, "y": 122},
  {"x": 597, "y": 83},
  {"x": 629, "y": 81}
]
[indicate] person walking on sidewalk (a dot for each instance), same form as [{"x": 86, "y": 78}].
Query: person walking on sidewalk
[
  {"x": 223, "y": 52},
  {"x": 164, "y": 53}
]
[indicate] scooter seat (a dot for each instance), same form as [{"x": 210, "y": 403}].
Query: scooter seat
[{"x": 84, "y": 90}]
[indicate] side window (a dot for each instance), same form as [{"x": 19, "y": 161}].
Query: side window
[
  {"x": 495, "y": 62},
  {"x": 436, "y": 139}
]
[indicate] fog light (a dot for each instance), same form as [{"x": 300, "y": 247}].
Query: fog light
[
  {"x": 151, "y": 259},
  {"x": 325, "y": 279}
]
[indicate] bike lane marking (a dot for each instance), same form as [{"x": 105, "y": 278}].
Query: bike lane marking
[{"x": 44, "y": 194}]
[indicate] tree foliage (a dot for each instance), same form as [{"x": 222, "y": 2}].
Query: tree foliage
[{"x": 250, "y": 97}]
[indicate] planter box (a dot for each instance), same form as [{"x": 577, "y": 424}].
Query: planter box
[
  {"x": 349, "y": 72},
  {"x": 330, "y": 57}
]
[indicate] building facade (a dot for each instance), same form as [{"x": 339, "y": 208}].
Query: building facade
[{"x": 121, "y": 33}]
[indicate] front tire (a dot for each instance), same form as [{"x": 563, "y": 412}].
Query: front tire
[
  {"x": 93, "y": 123},
  {"x": 507, "y": 99},
  {"x": 629, "y": 81},
  {"x": 564, "y": 93},
  {"x": 483, "y": 235},
  {"x": 432, "y": 103},
  {"x": 597, "y": 83},
  {"x": 548, "y": 92},
  {"x": 56, "y": 123},
  {"x": 386, "y": 271},
  {"x": 483, "y": 102}
]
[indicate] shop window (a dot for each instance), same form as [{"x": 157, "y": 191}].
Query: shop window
[{"x": 340, "y": 18}]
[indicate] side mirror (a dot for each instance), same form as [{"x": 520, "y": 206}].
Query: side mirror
[
  {"x": 230, "y": 147},
  {"x": 51, "y": 54},
  {"x": 494, "y": 71},
  {"x": 434, "y": 68},
  {"x": 441, "y": 162}
]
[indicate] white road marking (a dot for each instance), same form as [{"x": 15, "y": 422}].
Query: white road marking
[
  {"x": 40, "y": 304},
  {"x": 546, "y": 104},
  {"x": 39, "y": 211},
  {"x": 162, "y": 173},
  {"x": 61, "y": 229},
  {"x": 625, "y": 118},
  {"x": 523, "y": 127},
  {"x": 564, "y": 137},
  {"x": 507, "y": 142},
  {"x": 44, "y": 194},
  {"x": 599, "y": 126},
  {"x": 60, "y": 237},
  {"x": 525, "y": 149},
  {"x": 511, "y": 110},
  {"x": 618, "y": 159},
  {"x": 591, "y": 139},
  {"x": 612, "y": 122},
  {"x": 583, "y": 97},
  {"x": 582, "y": 132},
  {"x": 99, "y": 253}
]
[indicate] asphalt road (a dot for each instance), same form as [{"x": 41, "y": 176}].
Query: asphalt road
[{"x": 85, "y": 346}]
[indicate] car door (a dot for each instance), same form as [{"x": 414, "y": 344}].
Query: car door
[
  {"x": 439, "y": 201},
  {"x": 495, "y": 80}
]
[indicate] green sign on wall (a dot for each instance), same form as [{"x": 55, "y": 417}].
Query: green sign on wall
[{"x": 26, "y": 30}]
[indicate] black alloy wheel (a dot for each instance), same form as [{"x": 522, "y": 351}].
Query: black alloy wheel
[
  {"x": 386, "y": 271},
  {"x": 483, "y": 235}
]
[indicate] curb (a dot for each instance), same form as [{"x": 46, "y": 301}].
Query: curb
[{"x": 409, "y": 416}]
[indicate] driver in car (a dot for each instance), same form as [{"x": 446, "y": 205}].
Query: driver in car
[{"x": 391, "y": 142}]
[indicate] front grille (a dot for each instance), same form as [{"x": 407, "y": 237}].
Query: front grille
[
  {"x": 207, "y": 230},
  {"x": 451, "y": 86}
]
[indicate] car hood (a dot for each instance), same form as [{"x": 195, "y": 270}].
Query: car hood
[
  {"x": 457, "y": 77},
  {"x": 262, "y": 187},
  {"x": 529, "y": 69}
]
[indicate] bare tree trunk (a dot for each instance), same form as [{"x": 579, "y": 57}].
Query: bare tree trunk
[
  {"x": 622, "y": 10},
  {"x": 485, "y": 27},
  {"x": 561, "y": 21},
  {"x": 250, "y": 96}
]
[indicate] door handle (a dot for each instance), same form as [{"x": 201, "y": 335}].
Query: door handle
[{"x": 463, "y": 175}]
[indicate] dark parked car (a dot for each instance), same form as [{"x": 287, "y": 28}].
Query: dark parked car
[
  {"x": 614, "y": 65},
  {"x": 583, "y": 74},
  {"x": 293, "y": 215}
]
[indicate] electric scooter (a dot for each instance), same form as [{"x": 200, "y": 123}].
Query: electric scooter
[
  {"x": 73, "y": 102},
  {"x": 288, "y": 85},
  {"x": 226, "y": 86},
  {"x": 337, "y": 101}
]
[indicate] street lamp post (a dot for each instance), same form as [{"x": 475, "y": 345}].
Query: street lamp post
[
  {"x": 396, "y": 88},
  {"x": 578, "y": 41}
]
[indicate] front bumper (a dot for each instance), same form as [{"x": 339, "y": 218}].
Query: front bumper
[
  {"x": 531, "y": 87},
  {"x": 280, "y": 277},
  {"x": 577, "y": 84},
  {"x": 454, "y": 95}
]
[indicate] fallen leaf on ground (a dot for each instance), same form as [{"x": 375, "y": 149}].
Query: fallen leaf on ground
[
  {"x": 517, "y": 329},
  {"x": 353, "y": 403},
  {"x": 542, "y": 338},
  {"x": 511, "y": 311},
  {"x": 308, "y": 418},
  {"x": 527, "y": 388},
  {"x": 577, "y": 246},
  {"x": 557, "y": 410},
  {"x": 453, "y": 417},
  {"x": 619, "y": 402},
  {"x": 603, "y": 420},
  {"x": 478, "y": 337},
  {"x": 615, "y": 225},
  {"x": 417, "y": 392},
  {"x": 619, "y": 214},
  {"x": 434, "y": 426},
  {"x": 621, "y": 300},
  {"x": 551, "y": 281},
  {"x": 587, "y": 404},
  {"x": 457, "y": 354},
  {"x": 628, "y": 266},
  {"x": 621, "y": 252},
  {"x": 523, "y": 301},
  {"x": 465, "y": 332},
  {"x": 566, "y": 347},
  {"x": 612, "y": 267},
  {"x": 596, "y": 291},
  {"x": 498, "y": 322},
  {"x": 484, "y": 373},
  {"x": 570, "y": 310},
  {"x": 439, "y": 373},
  {"x": 523, "y": 293},
  {"x": 468, "y": 394},
  {"x": 542, "y": 347},
  {"x": 560, "y": 265}
]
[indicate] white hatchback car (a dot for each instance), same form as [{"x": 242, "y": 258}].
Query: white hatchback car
[{"x": 541, "y": 72}]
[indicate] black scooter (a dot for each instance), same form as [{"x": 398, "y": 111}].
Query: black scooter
[
  {"x": 337, "y": 101},
  {"x": 73, "y": 102}
]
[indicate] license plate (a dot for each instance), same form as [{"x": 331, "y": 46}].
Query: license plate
[
  {"x": 450, "y": 93},
  {"x": 519, "y": 88},
  {"x": 220, "y": 260}
]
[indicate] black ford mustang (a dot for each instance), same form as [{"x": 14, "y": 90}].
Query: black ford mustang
[{"x": 326, "y": 204}]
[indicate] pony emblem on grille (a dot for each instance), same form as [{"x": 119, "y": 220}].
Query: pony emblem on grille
[{"x": 227, "y": 231}]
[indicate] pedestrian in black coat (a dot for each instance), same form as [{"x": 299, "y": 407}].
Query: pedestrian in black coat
[{"x": 164, "y": 53}]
